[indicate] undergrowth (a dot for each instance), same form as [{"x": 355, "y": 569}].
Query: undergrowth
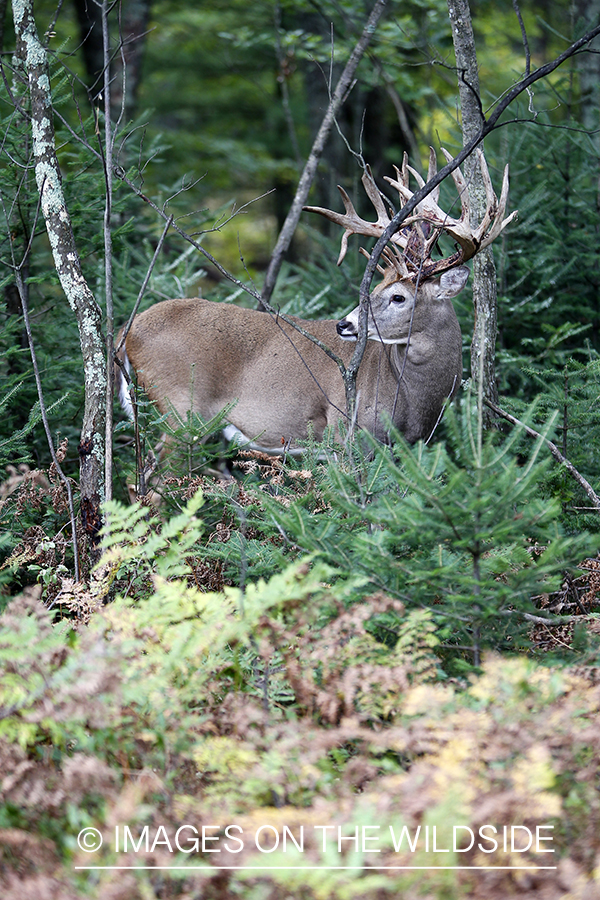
[{"x": 311, "y": 665}]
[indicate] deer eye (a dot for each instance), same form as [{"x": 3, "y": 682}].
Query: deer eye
[{"x": 397, "y": 298}]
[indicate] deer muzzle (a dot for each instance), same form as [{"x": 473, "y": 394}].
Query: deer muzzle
[{"x": 347, "y": 330}]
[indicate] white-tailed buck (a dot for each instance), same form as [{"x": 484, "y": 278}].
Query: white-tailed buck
[{"x": 195, "y": 354}]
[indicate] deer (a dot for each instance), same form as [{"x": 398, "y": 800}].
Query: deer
[{"x": 280, "y": 387}]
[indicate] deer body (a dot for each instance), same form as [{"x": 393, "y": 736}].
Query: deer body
[
  {"x": 203, "y": 356},
  {"x": 198, "y": 355}
]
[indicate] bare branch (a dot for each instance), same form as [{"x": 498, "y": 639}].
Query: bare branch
[
  {"x": 306, "y": 179},
  {"x": 44, "y": 414},
  {"x": 553, "y": 621},
  {"x": 583, "y": 482},
  {"x": 125, "y": 331},
  {"x": 524, "y": 36}
]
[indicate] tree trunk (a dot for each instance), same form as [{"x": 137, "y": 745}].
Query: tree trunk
[
  {"x": 588, "y": 65},
  {"x": 33, "y": 58},
  {"x": 483, "y": 347}
]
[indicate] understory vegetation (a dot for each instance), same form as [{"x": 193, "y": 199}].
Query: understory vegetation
[
  {"x": 368, "y": 672},
  {"x": 301, "y": 665}
]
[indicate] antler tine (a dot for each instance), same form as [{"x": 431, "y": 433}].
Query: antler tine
[
  {"x": 432, "y": 170},
  {"x": 435, "y": 194},
  {"x": 401, "y": 182},
  {"x": 395, "y": 264},
  {"x": 352, "y": 222},
  {"x": 374, "y": 195},
  {"x": 463, "y": 193},
  {"x": 404, "y": 168},
  {"x": 367, "y": 255},
  {"x": 498, "y": 222}
]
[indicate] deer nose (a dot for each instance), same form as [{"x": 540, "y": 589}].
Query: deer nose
[{"x": 346, "y": 329}]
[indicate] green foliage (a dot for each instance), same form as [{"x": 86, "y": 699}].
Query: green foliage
[
  {"x": 13, "y": 447},
  {"x": 573, "y": 391},
  {"x": 146, "y": 718},
  {"x": 131, "y": 538},
  {"x": 552, "y": 288},
  {"x": 465, "y": 531}
]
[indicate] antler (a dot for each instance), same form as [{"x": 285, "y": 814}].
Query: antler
[
  {"x": 421, "y": 231},
  {"x": 352, "y": 222}
]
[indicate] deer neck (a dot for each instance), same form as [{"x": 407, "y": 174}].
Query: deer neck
[
  {"x": 396, "y": 357},
  {"x": 418, "y": 350}
]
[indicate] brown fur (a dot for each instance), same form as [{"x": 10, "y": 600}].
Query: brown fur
[{"x": 203, "y": 355}]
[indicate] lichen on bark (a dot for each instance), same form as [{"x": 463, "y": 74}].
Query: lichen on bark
[
  {"x": 32, "y": 57},
  {"x": 483, "y": 347}
]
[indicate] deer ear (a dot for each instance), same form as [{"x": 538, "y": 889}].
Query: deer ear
[{"x": 452, "y": 282}]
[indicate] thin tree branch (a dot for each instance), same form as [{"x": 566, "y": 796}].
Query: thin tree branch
[
  {"x": 553, "y": 622},
  {"x": 44, "y": 414},
  {"x": 583, "y": 482},
  {"x": 142, "y": 290},
  {"x": 108, "y": 148},
  {"x": 306, "y": 179},
  {"x": 524, "y": 37}
]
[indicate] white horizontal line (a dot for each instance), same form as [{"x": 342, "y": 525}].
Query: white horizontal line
[{"x": 307, "y": 868}]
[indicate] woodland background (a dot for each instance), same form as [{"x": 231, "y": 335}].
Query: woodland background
[{"x": 376, "y": 638}]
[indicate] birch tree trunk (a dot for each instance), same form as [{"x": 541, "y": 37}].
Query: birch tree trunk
[
  {"x": 483, "y": 347},
  {"x": 33, "y": 59}
]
